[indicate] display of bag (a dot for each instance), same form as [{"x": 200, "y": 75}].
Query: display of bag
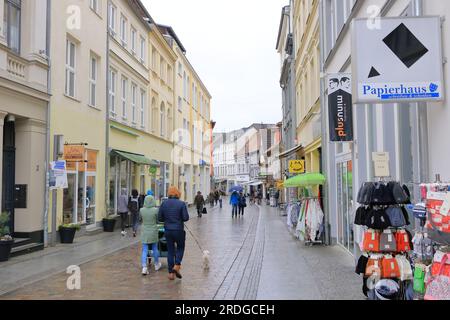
[
  {"x": 360, "y": 216},
  {"x": 405, "y": 268},
  {"x": 365, "y": 193},
  {"x": 381, "y": 194},
  {"x": 361, "y": 266},
  {"x": 371, "y": 242},
  {"x": 438, "y": 288},
  {"x": 403, "y": 241},
  {"x": 419, "y": 278},
  {"x": 390, "y": 268},
  {"x": 374, "y": 266},
  {"x": 377, "y": 219},
  {"x": 396, "y": 217},
  {"x": 388, "y": 242},
  {"x": 204, "y": 211},
  {"x": 439, "y": 257},
  {"x": 438, "y": 223},
  {"x": 398, "y": 193}
]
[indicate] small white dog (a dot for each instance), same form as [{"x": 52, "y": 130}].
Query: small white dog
[{"x": 206, "y": 260}]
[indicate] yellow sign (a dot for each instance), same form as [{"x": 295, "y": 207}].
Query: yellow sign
[
  {"x": 297, "y": 166},
  {"x": 74, "y": 153}
]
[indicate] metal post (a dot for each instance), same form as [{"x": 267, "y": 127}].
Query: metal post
[{"x": 54, "y": 192}]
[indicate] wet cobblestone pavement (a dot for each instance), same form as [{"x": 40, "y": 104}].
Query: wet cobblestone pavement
[{"x": 251, "y": 257}]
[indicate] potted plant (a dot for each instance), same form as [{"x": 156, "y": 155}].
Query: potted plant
[
  {"x": 67, "y": 232},
  {"x": 109, "y": 224},
  {"x": 6, "y": 241}
]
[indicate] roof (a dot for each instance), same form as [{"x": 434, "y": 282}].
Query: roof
[
  {"x": 168, "y": 30},
  {"x": 281, "y": 24},
  {"x": 139, "y": 8}
]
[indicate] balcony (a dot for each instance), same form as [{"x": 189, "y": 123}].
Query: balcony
[{"x": 17, "y": 67}]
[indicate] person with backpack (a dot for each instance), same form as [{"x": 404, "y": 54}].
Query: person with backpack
[
  {"x": 242, "y": 203},
  {"x": 122, "y": 208},
  {"x": 134, "y": 207},
  {"x": 149, "y": 234}
]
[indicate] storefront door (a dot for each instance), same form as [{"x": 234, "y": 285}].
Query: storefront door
[
  {"x": 345, "y": 205},
  {"x": 70, "y": 195},
  {"x": 90, "y": 199}
]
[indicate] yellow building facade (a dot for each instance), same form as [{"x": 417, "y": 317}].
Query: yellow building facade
[
  {"x": 78, "y": 108},
  {"x": 307, "y": 81}
]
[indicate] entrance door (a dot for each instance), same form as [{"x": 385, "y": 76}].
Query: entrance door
[
  {"x": 69, "y": 199},
  {"x": 345, "y": 205},
  {"x": 9, "y": 171}
]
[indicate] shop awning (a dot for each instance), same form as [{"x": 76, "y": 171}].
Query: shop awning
[
  {"x": 307, "y": 179},
  {"x": 136, "y": 158},
  {"x": 254, "y": 184},
  {"x": 290, "y": 151}
]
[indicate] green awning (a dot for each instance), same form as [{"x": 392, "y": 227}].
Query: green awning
[
  {"x": 136, "y": 158},
  {"x": 307, "y": 179}
]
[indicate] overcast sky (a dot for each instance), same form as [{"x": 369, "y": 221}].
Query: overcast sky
[{"x": 231, "y": 44}]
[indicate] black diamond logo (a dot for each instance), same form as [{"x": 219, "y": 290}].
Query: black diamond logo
[
  {"x": 373, "y": 73},
  {"x": 405, "y": 45}
]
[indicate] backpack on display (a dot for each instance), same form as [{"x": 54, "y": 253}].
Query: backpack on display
[
  {"x": 364, "y": 194},
  {"x": 387, "y": 241},
  {"x": 374, "y": 266},
  {"x": 360, "y": 216},
  {"x": 361, "y": 266},
  {"x": 403, "y": 241},
  {"x": 408, "y": 194},
  {"x": 371, "y": 241},
  {"x": 379, "y": 194},
  {"x": 396, "y": 217},
  {"x": 390, "y": 268},
  {"x": 377, "y": 219},
  {"x": 399, "y": 193}
]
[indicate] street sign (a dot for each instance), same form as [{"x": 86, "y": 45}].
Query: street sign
[
  {"x": 340, "y": 113},
  {"x": 399, "y": 61},
  {"x": 58, "y": 175},
  {"x": 297, "y": 166}
]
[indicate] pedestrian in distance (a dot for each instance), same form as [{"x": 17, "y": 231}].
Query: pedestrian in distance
[
  {"x": 216, "y": 197},
  {"x": 149, "y": 233},
  {"x": 211, "y": 198},
  {"x": 134, "y": 205},
  {"x": 220, "y": 200},
  {"x": 242, "y": 203},
  {"x": 199, "y": 203},
  {"x": 234, "y": 201},
  {"x": 174, "y": 213},
  {"x": 122, "y": 208},
  {"x": 277, "y": 198}
]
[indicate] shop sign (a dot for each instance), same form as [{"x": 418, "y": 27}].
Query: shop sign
[
  {"x": 340, "y": 114},
  {"x": 399, "y": 60},
  {"x": 74, "y": 153},
  {"x": 381, "y": 164},
  {"x": 58, "y": 175},
  {"x": 297, "y": 166},
  {"x": 92, "y": 161}
]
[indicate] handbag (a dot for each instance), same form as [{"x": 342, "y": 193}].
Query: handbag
[
  {"x": 438, "y": 288},
  {"x": 419, "y": 278},
  {"x": 439, "y": 257},
  {"x": 437, "y": 222},
  {"x": 204, "y": 211}
]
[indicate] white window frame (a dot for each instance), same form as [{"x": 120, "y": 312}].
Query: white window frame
[
  {"x": 133, "y": 103},
  {"x": 123, "y": 30},
  {"x": 112, "y": 11},
  {"x": 133, "y": 40},
  {"x": 94, "y": 5},
  {"x": 143, "y": 94},
  {"x": 162, "y": 116},
  {"x": 180, "y": 104},
  {"x": 142, "y": 54},
  {"x": 112, "y": 92},
  {"x": 71, "y": 47},
  {"x": 93, "y": 74},
  {"x": 124, "y": 92}
]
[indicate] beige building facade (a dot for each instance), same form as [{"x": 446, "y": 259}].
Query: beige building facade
[{"x": 24, "y": 115}]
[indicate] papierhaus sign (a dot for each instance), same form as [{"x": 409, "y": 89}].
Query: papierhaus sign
[{"x": 340, "y": 108}]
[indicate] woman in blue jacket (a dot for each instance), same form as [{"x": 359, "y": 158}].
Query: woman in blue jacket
[{"x": 234, "y": 201}]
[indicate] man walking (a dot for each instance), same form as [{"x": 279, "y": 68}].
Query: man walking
[
  {"x": 242, "y": 203},
  {"x": 199, "y": 202},
  {"x": 234, "y": 201},
  {"x": 174, "y": 214}
]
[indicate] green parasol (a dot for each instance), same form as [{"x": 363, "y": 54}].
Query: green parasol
[{"x": 307, "y": 179}]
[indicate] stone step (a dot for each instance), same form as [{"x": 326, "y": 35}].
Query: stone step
[
  {"x": 20, "y": 242},
  {"x": 26, "y": 248}
]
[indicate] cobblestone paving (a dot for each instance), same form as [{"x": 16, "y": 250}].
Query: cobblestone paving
[{"x": 243, "y": 266}]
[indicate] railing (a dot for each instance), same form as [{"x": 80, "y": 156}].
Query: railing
[{"x": 16, "y": 67}]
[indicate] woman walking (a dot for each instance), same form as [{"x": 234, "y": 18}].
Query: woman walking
[
  {"x": 134, "y": 206},
  {"x": 149, "y": 234},
  {"x": 199, "y": 202},
  {"x": 174, "y": 214},
  {"x": 234, "y": 201},
  {"x": 242, "y": 203},
  {"x": 122, "y": 208}
]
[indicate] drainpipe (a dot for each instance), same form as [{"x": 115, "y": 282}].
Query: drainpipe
[
  {"x": 107, "y": 204},
  {"x": 325, "y": 143},
  {"x": 47, "y": 142},
  {"x": 421, "y": 120}
]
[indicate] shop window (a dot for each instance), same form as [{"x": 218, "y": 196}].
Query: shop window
[{"x": 12, "y": 20}]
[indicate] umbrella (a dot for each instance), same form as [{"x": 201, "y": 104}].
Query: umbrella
[
  {"x": 237, "y": 189},
  {"x": 308, "y": 179}
]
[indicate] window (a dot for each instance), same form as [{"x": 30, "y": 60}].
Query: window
[
  {"x": 142, "y": 109},
  {"x": 93, "y": 82},
  {"x": 161, "y": 69},
  {"x": 184, "y": 85},
  {"x": 180, "y": 68},
  {"x": 162, "y": 119},
  {"x": 154, "y": 57},
  {"x": 192, "y": 94},
  {"x": 112, "y": 92},
  {"x": 112, "y": 18},
  {"x": 12, "y": 17},
  {"x": 94, "y": 5},
  {"x": 133, "y": 40},
  {"x": 70, "y": 68},
  {"x": 123, "y": 30},
  {"x": 124, "y": 97},
  {"x": 169, "y": 75},
  {"x": 133, "y": 102},
  {"x": 142, "y": 50},
  {"x": 180, "y": 104}
]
